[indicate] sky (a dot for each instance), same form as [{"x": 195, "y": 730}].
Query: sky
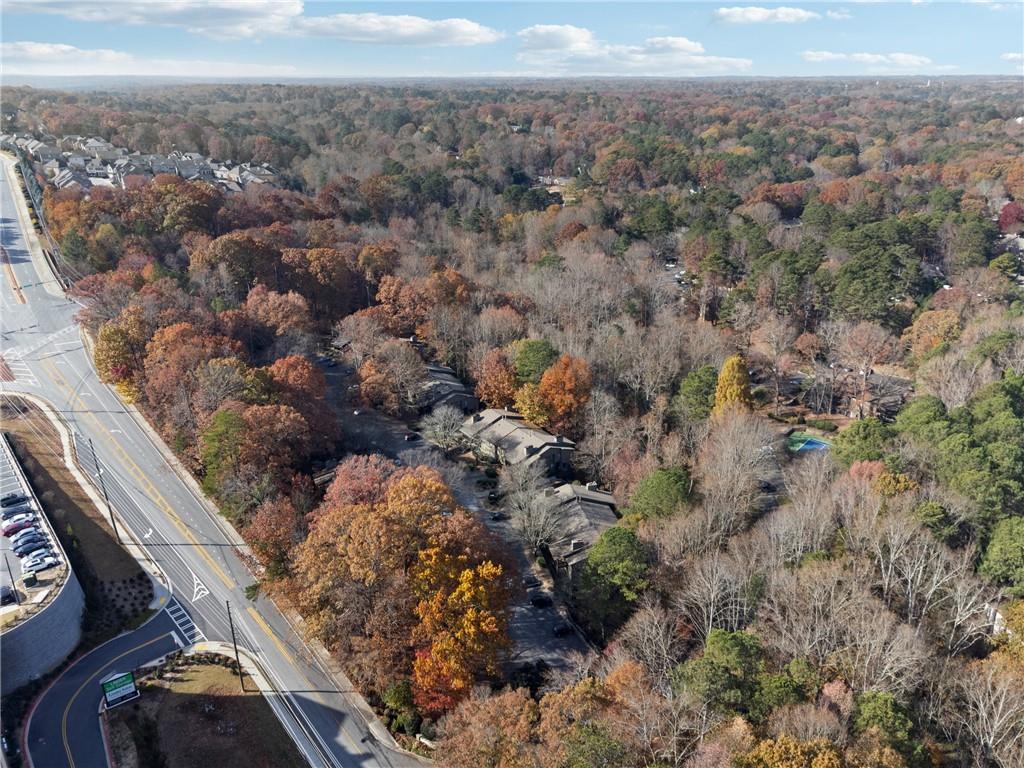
[{"x": 278, "y": 39}]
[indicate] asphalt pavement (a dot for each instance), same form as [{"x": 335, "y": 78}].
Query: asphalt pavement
[{"x": 42, "y": 350}]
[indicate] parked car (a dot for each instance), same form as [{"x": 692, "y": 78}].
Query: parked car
[
  {"x": 540, "y": 600},
  {"x": 493, "y": 496},
  {"x": 36, "y": 552},
  {"x": 25, "y": 546},
  {"x": 6, "y": 595},
  {"x": 12, "y": 498},
  {"x": 25, "y": 534},
  {"x": 36, "y": 564},
  {"x": 410, "y": 437},
  {"x": 561, "y": 629},
  {"x": 19, "y": 523},
  {"x": 499, "y": 516},
  {"x": 531, "y": 582},
  {"x": 8, "y": 512}
]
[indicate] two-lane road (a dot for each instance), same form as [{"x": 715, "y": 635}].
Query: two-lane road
[{"x": 43, "y": 355}]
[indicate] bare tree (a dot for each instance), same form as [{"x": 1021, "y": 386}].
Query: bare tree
[
  {"x": 986, "y": 710},
  {"x": 360, "y": 336},
  {"x": 737, "y": 457},
  {"x": 531, "y": 503},
  {"x": 714, "y": 595},
  {"x": 442, "y": 426},
  {"x": 806, "y": 524},
  {"x": 862, "y": 347},
  {"x": 773, "y": 339},
  {"x": 651, "y": 638},
  {"x": 955, "y": 377}
]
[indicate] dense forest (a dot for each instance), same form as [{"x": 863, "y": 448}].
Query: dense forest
[{"x": 673, "y": 275}]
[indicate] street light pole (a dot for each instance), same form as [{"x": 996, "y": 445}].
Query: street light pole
[
  {"x": 234, "y": 642},
  {"x": 14, "y": 586},
  {"x": 103, "y": 488}
]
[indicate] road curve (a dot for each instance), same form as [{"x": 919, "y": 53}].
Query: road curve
[
  {"x": 63, "y": 730},
  {"x": 41, "y": 346}
]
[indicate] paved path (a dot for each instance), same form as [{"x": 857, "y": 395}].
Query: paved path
[{"x": 165, "y": 513}]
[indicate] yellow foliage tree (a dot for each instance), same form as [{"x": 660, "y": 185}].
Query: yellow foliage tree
[
  {"x": 462, "y": 625},
  {"x": 529, "y": 404},
  {"x": 787, "y": 752},
  {"x": 733, "y": 388}
]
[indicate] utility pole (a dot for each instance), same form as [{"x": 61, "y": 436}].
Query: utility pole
[
  {"x": 234, "y": 642},
  {"x": 103, "y": 488},
  {"x": 14, "y": 585}
]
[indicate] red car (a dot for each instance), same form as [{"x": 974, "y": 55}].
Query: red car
[{"x": 18, "y": 523}]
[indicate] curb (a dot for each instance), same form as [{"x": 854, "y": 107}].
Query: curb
[
  {"x": 105, "y": 733},
  {"x": 133, "y": 547},
  {"x": 35, "y": 702}
]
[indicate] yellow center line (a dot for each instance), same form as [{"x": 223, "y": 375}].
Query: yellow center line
[
  {"x": 270, "y": 633},
  {"x": 136, "y": 472},
  {"x": 71, "y": 701}
]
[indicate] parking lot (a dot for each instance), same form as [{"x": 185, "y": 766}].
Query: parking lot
[{"x": 14, "y": 483}]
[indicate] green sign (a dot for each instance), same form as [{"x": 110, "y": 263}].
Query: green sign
[{"x": 118, "y": 688}]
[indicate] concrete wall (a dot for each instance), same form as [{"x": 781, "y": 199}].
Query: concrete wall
[{"x": 38, "y": 644}]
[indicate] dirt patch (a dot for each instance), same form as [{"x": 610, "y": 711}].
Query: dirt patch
[
  {"x": 117, "y": 590},
  {"x": 193, "y": 713}
]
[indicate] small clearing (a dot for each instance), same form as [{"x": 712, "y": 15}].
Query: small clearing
[{"x": 194, "y": 714}]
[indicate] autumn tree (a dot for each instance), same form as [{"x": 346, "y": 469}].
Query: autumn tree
[
  {"x": 733, "y": 388},
  {"x": 495, "y": 380},
  {"x": 563, "y": 391},
  {"x": 462, "y": 626}
]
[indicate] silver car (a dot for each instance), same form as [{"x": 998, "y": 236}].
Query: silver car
[{"x": 34, "y": 565}]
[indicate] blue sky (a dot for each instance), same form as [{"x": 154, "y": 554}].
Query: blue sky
[{"x": 274, "y": 39}]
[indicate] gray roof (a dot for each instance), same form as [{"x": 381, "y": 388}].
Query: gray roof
[
  {"x": 586, "y": 514},
  {"x": 517, "y": 438}
]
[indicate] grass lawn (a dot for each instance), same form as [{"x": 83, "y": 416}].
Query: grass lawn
[{"x": 196, "y": 715}]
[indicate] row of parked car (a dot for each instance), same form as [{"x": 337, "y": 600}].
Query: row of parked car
[{"x": 29, "y": 541}]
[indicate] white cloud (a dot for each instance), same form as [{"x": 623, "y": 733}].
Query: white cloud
[
  {"x": 887, "y": 59},
  {"x": 561, "y": 49},
  {"x": 58, "y": 59},
  {"x": 396, "y": 30},
  {"x": 254, "y": 19},
  {"x": 30, "y": 51},
  {"x": 752, "y": 14},
  {"x": 841, "y": 15},
  {"x": 1012, "y": 57}
]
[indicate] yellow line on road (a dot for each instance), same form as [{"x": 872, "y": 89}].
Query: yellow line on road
[
  {"x": 270, "y": 633},
  {"x": 136, "y": 472},
  {"x": 71, "y": 701}
]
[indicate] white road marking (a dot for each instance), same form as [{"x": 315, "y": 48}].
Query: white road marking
[
  {"x": 184, "y": 623},
  {"x": 198, "y": 588},
  {"x": 147, "y": 534}
]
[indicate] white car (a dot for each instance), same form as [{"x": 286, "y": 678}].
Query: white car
[
  {"x": 37, "y": 553},
  {"x": 36, "y": 564}
]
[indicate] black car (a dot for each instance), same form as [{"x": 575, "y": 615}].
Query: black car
[
  {"x": 8, "y": 512},
  {"x": 499, "y": 516},
  {"x": 561, "y": 629},
  {"x": 12, "y": 498},
  {"x": 540, "y": 600},
  {"x": 410, "y": 437},
  {"x": 493, "y": 496},
  {"x": 29, "y": 545},
  {"x": 6, "y": 595},
  {"x": 531, "y": 582}
]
